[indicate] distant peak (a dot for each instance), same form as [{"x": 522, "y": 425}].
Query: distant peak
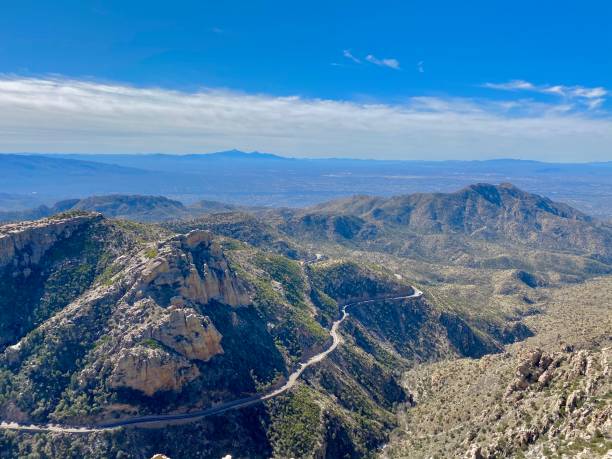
[{"x": 238, "y": 154}]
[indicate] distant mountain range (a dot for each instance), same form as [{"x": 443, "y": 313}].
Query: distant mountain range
[
  {"x": 447, "y": 227},
  {"x": 264, "y": 179},
  {"x": 132, "y": 207}
]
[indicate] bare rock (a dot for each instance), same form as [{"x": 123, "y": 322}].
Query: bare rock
[
  {"x": 535, "y": 366},
  {"x": 150, "y": 370},
  {"x": 573, "y": 400},
  {"x": 188, "y": 333},
  {"x": 23, "y": 244},
  {"x": 194, "y": 266},
  {"x": 475, "y": 452}
]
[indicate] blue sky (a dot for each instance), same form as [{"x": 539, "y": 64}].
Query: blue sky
[{"x": 411, "y": 79}]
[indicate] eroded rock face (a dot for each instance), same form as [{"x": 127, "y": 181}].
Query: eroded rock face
[
  {"x": 193, "y": 266},
  {"x": 24, "y": 244},
  {"x": 188, "y": 333},
  {"x": 535, "y": 367},
  {"x": 150, "y": 370},
  {"x": 187, "y": 273}
]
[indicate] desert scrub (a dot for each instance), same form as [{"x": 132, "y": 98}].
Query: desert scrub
[
  {"x": 103, "y": 340},
  {"x": 233, "y": 244},
  {"x": 347, "y": 281},
  {"x": 327, "y": 306},
  {"x": 151, "y": 252},
  {"x": 106, "y": 277},
  {"x": 140, "y": 232},
  {"x": 311, "y": 326},
  {"x": 296, "y": 429},
  {"x": 286, "y": 272},
  {"x": 151, "y": 343}
]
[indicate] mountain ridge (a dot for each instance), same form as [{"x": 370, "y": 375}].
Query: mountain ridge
[{"x": 478, "y": 212}]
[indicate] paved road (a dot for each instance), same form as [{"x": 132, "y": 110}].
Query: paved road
[{"x": 163, "y": 419}]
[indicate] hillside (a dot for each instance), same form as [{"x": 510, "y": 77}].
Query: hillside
[
  {"x": 119, "y": 319},
  {"x": 474, "y": 225},
  {"x": 548, "y": 396}
]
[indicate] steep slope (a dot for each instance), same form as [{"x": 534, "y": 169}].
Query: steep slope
[
  {"x": 46, "y": 265},
  {"x": 154, "y": 323}
]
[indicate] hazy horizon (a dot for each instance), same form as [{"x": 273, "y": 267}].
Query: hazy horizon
[{"x": 284, "y": 156}]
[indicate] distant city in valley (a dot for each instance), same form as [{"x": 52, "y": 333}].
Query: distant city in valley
[{"x": 256, "y": 179}]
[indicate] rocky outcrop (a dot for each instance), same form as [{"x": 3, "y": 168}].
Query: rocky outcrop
[
  {"x": 150, "y": 370},
  {"x": 535, "y": 367},
  {"x": 24, "y": 244},
  {"x": 168, "y": 333},
  {"x": 157, "y": 295},
  {"x": 186, "y": 332},
  {"x": 194, "y": 268},
  {"x": 573, "y": 412}
]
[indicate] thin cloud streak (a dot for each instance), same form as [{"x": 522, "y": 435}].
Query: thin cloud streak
[
  {"x": 592, "y": 98},
  {"x": 62, "y": 115},
  {"x": 347, "y": 53},
  {"x": 391, "y": 63}
]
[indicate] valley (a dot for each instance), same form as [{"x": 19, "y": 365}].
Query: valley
[
  {"x": 305, "y": 230},
  {"x": 354, "y": 328},
  {"x": 162, "y": 420}
]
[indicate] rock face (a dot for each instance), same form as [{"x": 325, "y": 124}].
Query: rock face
[
  {"x": 168, "y": 344},
  {"x": 536, "y": 367},
  {"x": 24, "y": 244},
  {"x": 188, "y": 272},
  {"x": 150, "y": 370},
  {"x": 44, "y": 265},
  {"x": 156, "y": 294},
  {"x": 188, "y": 333},
  {"x": 193, "y": 266}
]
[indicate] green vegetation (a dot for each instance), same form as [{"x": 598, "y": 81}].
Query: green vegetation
[
  {"x": 152, "y": 343},
  {"x": 287, "y": 272},
  {"x": 65, "y": 367},
  {"x": 296, "y": 424}
]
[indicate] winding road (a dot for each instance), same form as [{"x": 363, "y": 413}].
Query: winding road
[{"x": 163, "y": 419}]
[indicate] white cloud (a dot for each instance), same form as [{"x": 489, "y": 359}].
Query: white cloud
[
  {"x": 391, "y": 63},
  {"x": 511, "y": 85},
  {"x": 62, "y": 115},
  {"x": 420, "y": 67},
  {"x": 347, "y": 53},
  {"x": 592, "y": 98}
]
